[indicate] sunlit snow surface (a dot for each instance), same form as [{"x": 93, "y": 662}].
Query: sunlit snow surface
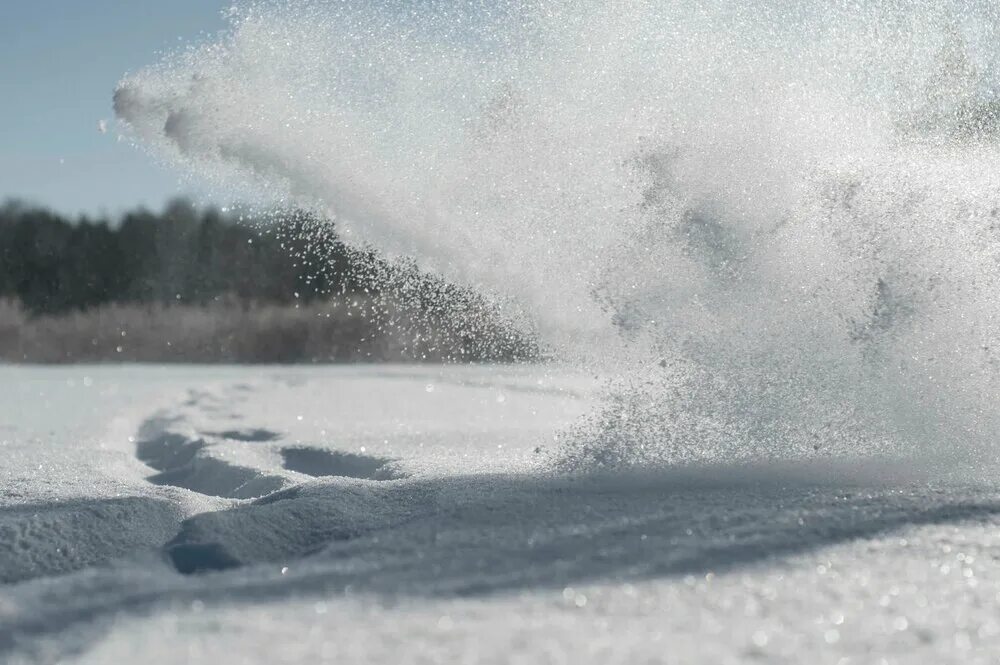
[{"x": 408, "y": 514}]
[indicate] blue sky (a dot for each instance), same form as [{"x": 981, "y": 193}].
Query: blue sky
[{"x": 59, "y": 63}]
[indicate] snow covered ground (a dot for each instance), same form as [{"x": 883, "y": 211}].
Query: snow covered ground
[{"x": 406, "y": 514}]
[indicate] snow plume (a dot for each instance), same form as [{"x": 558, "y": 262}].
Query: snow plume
[{"x": 776, "y": 225}]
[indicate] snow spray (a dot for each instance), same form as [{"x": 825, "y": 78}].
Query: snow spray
[{"x": 776, "y": 224}]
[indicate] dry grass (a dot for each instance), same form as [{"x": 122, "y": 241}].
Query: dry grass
[{"x": 349, "y": 329}]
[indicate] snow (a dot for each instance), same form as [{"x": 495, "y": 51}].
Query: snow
[{"x": 409, "y": 514}]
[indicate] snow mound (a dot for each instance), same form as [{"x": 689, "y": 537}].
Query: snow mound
[
  {"x": 290, "y": 524},
  {"x": 50, "y": 539}
]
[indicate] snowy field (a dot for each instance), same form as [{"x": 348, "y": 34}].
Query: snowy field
[{"x": 405, "y": 514}]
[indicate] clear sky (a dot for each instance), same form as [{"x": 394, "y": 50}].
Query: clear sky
[{"x": 59, "y": 63}]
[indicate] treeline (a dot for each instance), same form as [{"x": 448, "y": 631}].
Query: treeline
[
  {"x": 198, "y": 284},
  {"x": 51, "y": 264}
]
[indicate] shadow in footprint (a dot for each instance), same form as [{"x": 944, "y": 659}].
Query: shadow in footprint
[
  {"x": 187, "y": 462},
  {"x": 256, "y": 435},
  {"x": 319, "y": 462},
  {"x": 167, "y": 450},
  {"x": 200, "y": 558}
]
